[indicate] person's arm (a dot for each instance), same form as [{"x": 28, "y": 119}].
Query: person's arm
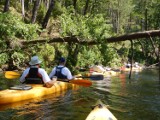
[
  {"x": 49, "y": 84},
  {"x": 24, "y": 74},
  {"x": 53, "y": 72},
  {"x": 67, "y": 72},
  {"x": 47, "y": 81}
]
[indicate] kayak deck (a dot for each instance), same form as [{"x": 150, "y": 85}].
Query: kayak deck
[
  {"x": 100, "y": 112},
  {"x": 10, "y": 96}
]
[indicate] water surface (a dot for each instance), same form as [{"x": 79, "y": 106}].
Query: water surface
[{"x": 137, "y": 98}]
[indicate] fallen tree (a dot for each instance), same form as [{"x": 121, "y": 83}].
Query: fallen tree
[{"x": 74, "y": 39}]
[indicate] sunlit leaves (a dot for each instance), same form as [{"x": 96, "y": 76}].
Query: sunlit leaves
[
  {"x": 89, "y": 55},
  {"x": 13, "y": 27},
  {"x": 18, "y": 58},
  {"x": 12, "y": 30},
  {"x": 88, "y": 28},
  {"x": 47, "y": 53},
  {"x": 3, "y": 58}
]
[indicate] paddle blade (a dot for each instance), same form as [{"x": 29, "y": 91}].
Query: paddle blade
[
  {"x": 85, "y": 83},
  {"x": 12, "y": 74},
  {"x": 96, "y": 77},
  {"x": 93, "y": 77}
]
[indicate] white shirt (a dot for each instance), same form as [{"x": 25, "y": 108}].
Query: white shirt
[
  {"x": 65, "y": 71},
  {"x": 98, "y": 68},
  {"x": 44, "y": 74}
]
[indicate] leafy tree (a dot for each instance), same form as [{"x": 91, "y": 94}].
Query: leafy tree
[{"x": 12, "y": 30}]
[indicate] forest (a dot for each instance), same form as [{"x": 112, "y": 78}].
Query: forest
[{"x": 55, "y": 28}]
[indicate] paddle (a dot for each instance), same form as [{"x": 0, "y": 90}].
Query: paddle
[
  {"x": 14, "y": 74},
  {"x": 92, "y": 77},
  {"x": 85, "y": 83}
]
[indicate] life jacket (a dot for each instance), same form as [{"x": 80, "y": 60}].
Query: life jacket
[
  {"x": 59, "y": 73},
  {"x": 33, "y": 77}
]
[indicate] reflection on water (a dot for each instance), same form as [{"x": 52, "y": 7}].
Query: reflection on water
[{"x": 137, "y": 98}]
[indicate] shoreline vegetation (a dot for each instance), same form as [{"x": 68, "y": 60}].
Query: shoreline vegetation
[
  {"x": 78, "y": 32},
  {"x": 108, "y": 72}
]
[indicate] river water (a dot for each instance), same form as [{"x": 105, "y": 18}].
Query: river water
[{"x": 137, "y": 98}]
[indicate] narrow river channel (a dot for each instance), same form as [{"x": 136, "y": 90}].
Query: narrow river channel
[{"x": 137, "y": 98}]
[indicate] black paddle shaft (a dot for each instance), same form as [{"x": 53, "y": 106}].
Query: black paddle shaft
[{"x": 93, "y": 77}]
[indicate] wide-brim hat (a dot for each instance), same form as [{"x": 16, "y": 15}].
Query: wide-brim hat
[{"x": 34, "y": 60}]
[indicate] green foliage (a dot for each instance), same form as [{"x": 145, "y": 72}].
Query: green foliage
[
  {"x": 3, "y": 58},
  {"x": 139, "y": 56},
  {"x": 18, "y": 58},
  {"x": 3, "y": 44},
  {"x": 104, "y": 54},
  {"x": 58, "y": 10},
  {"x": 97, "y": 27},
  {"x": 41, "y": 13},
  {"x": 102, "y": 16},
  {"x": 89, "y": 28},
  {"x": 153, "y": 13},
  {"x": 61, "y": 50},
  {"x": 110, "y": 56},
  {"x": 88, "y": 56},
  {"x": 47, "y": 54},
  {"x": 12, "y": 27}
]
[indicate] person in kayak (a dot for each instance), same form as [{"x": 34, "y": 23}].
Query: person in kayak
[
  {"x": 98, "y": 68},
  {"x": 36, "y": 75},
  {"x": 60, "y": 71}
]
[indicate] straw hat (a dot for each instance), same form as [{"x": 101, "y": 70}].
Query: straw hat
[{"x": 34, "y": 60}]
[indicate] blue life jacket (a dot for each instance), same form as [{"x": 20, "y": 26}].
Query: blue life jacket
[
  {"x": 33, "y": 77},
  {"x": 59, "y": 73}
]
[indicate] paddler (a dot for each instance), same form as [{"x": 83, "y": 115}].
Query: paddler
[
  {"x": 36, "y": 75},
  {"x": 60, "y": 71},
  {"x": 98, "y": 68}
]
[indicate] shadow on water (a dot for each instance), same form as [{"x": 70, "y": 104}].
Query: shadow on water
[{"x": 137, "y": 98}]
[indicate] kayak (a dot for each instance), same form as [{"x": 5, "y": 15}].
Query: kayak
[
  {"x": 36, "y": 90},
  {"x": 105, "y": 74},
  {"x": 100, "y": 112},
  {"x": 133, "y": 69}
]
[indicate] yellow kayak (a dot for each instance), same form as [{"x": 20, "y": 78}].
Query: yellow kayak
[
  {"x": 100, "y": 112},
  {"x": 10, "y": 96}
]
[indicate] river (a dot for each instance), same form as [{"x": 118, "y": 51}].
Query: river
[{"x": 137, "y": 98}]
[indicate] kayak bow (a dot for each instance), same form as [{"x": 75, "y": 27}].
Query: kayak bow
[{"x": 100, "y": 112}]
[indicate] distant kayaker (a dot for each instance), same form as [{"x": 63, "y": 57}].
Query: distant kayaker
[
  {"x": 33, "y": 74},
  {"x": 60, "y": 71},
  {"x": 128, "y": 65},
  {"x": 98, "y": 68},
  {"x": 136, "y": 65}
]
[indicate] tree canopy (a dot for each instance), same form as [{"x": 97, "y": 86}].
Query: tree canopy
[{"x": 30, "y": 27}]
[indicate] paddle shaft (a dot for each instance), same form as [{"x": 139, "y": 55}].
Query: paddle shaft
[
  {"x": 14, "y": 74},
  {"x": 86, "y": 83},
  {"x": 93, "y": 77}
]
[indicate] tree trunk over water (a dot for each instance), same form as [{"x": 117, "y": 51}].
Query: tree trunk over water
[{"x": 74, "y": 39}]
